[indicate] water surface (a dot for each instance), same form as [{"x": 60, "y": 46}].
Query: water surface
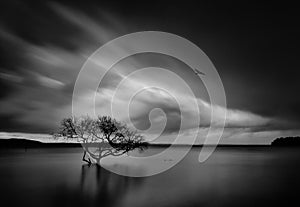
[{"x": 232, "y": 176}]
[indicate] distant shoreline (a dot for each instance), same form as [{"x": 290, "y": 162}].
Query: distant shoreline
[{"x": 25, "y": 143}]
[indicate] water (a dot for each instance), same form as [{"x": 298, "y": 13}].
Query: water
[{"x": 232, "y": 176}]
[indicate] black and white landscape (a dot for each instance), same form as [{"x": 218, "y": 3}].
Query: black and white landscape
[{"x": 50, "y": 157}]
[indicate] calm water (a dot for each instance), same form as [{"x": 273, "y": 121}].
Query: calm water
[{"x": 253, "y": 176}]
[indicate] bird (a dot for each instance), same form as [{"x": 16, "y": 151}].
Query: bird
[{"x": 197, "y": 72}]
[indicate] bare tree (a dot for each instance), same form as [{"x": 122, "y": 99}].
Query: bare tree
[{"x": 101, "y": 137}]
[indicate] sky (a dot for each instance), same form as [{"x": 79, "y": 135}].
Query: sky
[{"x": 253, "y": 45}]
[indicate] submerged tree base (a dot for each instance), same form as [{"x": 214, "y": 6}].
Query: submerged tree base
[{"x": 94, "y": 152}]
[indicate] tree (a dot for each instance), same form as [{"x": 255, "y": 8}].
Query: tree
[
  {"x": 102, "y": 137},
  {"x": 286, "y": 141}
]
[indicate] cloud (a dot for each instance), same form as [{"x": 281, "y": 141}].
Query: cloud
[
  {"x": 11, "y": 77},
  {"x": 151, "y": 98},
  {"x": 41, "y": 59},
  {"x": 40, "y": 75},
  {"x": 50, "y": 82}
]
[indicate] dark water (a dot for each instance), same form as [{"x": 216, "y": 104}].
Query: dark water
[{"x": 253, "y": 176}]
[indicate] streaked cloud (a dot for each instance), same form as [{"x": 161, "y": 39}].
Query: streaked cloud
[{"x": 39, "y": 72}]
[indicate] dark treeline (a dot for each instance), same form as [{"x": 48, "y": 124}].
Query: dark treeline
[
  {"x": 286, "y": 141},
  {"x": 24, "y": 143}
]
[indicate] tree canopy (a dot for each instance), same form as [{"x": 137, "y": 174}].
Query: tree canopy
[{"x": 102, "y": 136}]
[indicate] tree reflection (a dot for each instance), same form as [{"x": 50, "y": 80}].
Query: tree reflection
[{"x": 103, "y": 188}]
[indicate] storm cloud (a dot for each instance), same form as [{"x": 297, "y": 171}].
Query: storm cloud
[{"x": 43, "y": 46}]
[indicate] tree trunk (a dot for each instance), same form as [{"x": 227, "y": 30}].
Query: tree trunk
[{"x": 86, "y": 160}]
